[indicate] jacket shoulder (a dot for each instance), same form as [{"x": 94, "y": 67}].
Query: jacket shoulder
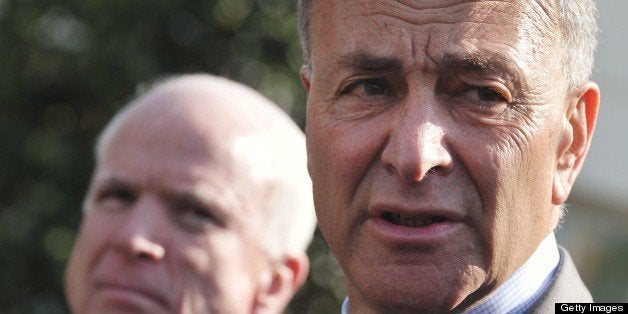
[{"x": 566, "y": 287}]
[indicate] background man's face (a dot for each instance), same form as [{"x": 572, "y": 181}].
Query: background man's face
[
  {"x": 433, "y": 138},
  {"x": 164, "y": 230}
]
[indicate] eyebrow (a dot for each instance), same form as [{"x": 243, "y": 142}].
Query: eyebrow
[
  {"x": 479, "y": 63},
  {"x": 484, "y": 63},
  {"x": 112, "y": 181},
  {"x": 362, "y": 60},
  {"x": 367, "y": 62}
]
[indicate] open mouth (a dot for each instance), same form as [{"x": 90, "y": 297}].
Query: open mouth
[{"x": 410, "y": 221}]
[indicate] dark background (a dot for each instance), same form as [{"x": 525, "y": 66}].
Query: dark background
[{"x": 67, "y": 66}]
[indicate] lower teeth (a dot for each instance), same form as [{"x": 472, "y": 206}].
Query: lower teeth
[{"x": 410, "y": 222}]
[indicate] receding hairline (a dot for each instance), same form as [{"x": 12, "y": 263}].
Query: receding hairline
[{"x": 201, "y": 92}]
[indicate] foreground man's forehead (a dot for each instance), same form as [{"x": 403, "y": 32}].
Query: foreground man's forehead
[
  {"x": 428, "y": 12},
  {"x": 356, "y": 41},
  {"x": 423, "y": 22}
]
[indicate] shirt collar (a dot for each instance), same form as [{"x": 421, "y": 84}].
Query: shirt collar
[
  {"x": 526, "y": 284},
  {"x": 345, "y": 306}
]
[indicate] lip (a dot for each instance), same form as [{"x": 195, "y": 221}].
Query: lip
[
  {"x": 130, "y": 296},
  {"x": 434, "y": 234}
]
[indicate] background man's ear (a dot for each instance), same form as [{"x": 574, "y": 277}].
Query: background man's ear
[
  {"x": 279, "y": 286},
  {"x": 581, "y": 118}
]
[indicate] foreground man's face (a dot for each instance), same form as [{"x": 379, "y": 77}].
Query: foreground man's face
[
  {"x": 165, "y": 230},
  {"x": 434, "y": 131}
]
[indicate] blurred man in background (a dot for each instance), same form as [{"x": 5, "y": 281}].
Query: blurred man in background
[
  {"x": 200, "y": 203},
  {"x": 443, "y": 140}
]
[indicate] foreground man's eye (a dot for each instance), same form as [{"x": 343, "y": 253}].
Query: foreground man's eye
[
  {"x": 366, "y": 88},
  {"x": 489, "y": 94},
  {"x": 374, "y": 88}
]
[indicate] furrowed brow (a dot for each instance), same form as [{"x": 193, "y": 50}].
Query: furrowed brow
[
  {"x": 363, "y": 61},
  {"x": 479, "y": 64}
]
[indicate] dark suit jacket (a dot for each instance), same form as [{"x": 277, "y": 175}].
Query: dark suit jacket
[{"x": 566, "y": 287}]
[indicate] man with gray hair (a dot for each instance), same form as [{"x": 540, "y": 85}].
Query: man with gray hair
[
  {"x": 200, "y": 203},
  {"x": 443, "y": 139}
]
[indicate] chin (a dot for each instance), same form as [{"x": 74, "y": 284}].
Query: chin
[
  {"x": 417, "y": 302},
  {"x": 418, "y": 289}
]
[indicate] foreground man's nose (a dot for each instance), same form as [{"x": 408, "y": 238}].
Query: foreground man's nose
[{"x": 416, "y": 146}]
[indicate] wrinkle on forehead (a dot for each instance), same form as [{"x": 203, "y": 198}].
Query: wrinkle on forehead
[
  {"x": 521, "y": 30},
  {"x": 439, "y": 12},
  {"x": 532, "y": 20},
  {"x": 423, "y": 21}
]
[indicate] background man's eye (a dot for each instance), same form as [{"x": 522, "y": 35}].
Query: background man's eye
[
  {"x": 373, "y": 88},
  {"x": 489, "y": 94},
  {"x": 194, "y": 216},
  {"x": 200, "y": 213},
  {"x": 115, "y": 199},
  {"x": 123, "y": 195}
]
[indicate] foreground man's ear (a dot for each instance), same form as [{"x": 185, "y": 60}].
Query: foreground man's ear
[
  {"x": 278, "y": 286},
  {"x": 581, "y": 117},
  {"x": 306, "y": 76}
]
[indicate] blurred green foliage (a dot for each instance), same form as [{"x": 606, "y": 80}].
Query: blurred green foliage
[{"x": 67, "y": 65}]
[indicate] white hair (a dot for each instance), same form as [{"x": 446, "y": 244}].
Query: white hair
[
  {"x": 272, "y": 146},
  {"x": 578, "y": 28}
]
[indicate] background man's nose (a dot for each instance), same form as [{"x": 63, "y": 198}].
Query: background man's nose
[{"x": 142, "y": 233}]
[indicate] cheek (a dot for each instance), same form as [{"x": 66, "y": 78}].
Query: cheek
[
  {"x": 529, "y": 160},
  {"x": 512, "y": 170},
  {"x": 88, "y": 250},
  {"x": 515, "y": 159},
  {"x": 339, "y": 156},
  {"x": 216, "y": 275},
  {"x": 340, "y": 152}
]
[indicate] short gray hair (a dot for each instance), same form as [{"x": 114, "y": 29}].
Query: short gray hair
[
  {"x": 577, "y": 22},
  {"x": 277, "y": 152},
  {"x": 579, "y": 30}
]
